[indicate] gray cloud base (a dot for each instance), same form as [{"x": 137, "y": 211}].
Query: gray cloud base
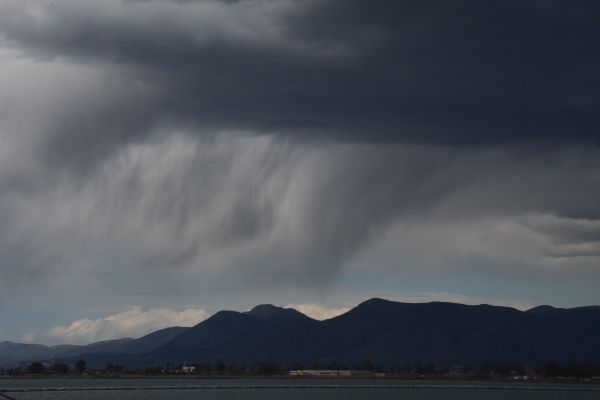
[
  {"x": 259, "y": 206},
  {"x": 284, "y": 138}
]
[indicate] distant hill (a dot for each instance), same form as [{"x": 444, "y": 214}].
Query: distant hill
[
  {"x": 385, "y": 332},
  {"x": 105, "y": 346},
  {"x": 18, "y": 352},
  {"x": 15, "y": 352},
  {"x": 127, "y": 345}
]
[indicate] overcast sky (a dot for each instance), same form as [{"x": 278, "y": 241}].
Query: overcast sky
[{"x": 162, "y": 160}]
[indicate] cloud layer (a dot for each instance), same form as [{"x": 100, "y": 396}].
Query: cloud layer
[
  {"x": 437, "y": 73},
  {"x": 134, "y": 323},
  {"x": 288, "y": 136}
]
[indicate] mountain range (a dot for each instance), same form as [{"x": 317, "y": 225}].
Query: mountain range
[
  {"x": 11, "y": 352},
  {"x": 384, "y": 332}
]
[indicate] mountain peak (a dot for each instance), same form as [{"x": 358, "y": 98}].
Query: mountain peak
[{"x": 267, "y": 311}]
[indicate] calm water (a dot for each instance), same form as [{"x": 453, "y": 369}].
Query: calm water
[{"x": 292, "y": 394}]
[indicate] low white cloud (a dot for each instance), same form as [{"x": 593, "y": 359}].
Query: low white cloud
[
  {"x": 28, "y": 337},
  {"x": 318, "y": 311},
  {"x": 133, "y": 323}
]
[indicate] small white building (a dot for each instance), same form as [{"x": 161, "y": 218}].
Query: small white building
[{"x": 187, "y": 369}]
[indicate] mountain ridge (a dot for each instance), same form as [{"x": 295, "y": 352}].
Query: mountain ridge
[
  {"x": 383, "y": 331},
  {"x": 271, "y": 311}
]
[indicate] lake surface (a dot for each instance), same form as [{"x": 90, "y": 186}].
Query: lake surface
[{"x": 292, "y": 394}]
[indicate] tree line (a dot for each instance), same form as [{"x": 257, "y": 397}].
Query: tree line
[
  {"x": 549, "y": 369},
  {"x": 56, "y": 368},
  {"x": 219, "y": 368}
]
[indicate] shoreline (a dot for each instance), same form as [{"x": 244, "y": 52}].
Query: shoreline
[
  {"x": 238, "y": 387},
  {"x": 463, "y": 379}
]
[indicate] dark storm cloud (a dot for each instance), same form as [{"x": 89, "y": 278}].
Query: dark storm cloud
[
  {"x": 458, "y": 73},
  {"x": 440, "y": 117}
]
